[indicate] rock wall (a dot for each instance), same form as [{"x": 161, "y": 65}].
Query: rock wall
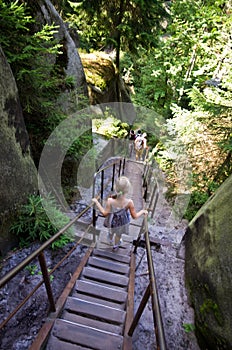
[
  {"x": 18, "y": 177},
  {"x": 68, "y": 99},
  {"x": 69, "y": 61},
  {"x": 104, "y": 84},
  {"x": 208, "y": 268}
]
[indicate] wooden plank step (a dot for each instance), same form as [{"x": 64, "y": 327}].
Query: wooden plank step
[
  {"x": 108, "y": 327},
  {"x": 57, "y": 344},
  {"x": 112, "y": 255},
  {"x": 105, "y": 284},
  {"x": 103, "y": 292},
  {"x": 106, "y": 264},
  {"x": 94, "y": 310},
  {"x": 105, "y": 276},
  {"x": 86, "y": 336},
  {"x": 124, "y": 249},
  {"x": 95, "y": 300}
]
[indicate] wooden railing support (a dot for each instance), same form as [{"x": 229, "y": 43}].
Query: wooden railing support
[{"x": 139, "y": 311}]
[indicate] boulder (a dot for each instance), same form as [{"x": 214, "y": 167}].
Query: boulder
[
  {"x": 104, "y": 84},
  {"x": 18, "y": 175},
  {"x": 208, "y": 269}
]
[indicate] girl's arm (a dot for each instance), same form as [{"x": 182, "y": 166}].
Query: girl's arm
[
  {"x": 105, "y": 211},
  {"x": 134, "y": 214}
]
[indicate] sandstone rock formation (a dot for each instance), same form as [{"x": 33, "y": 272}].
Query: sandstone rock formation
[
  {"x": 104, "y": 84},
  {"x": 18, "y": 177},
  {"x": 70, "y": 62},
  {"x": 208, "y": 269}
]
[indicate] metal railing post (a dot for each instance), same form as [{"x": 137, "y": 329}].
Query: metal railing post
[
  {"x": 101, "y": 171},
  {"x": 123, "y": 167},
  {"x": 94, "y": 209},
  {"x": 120, "y": 166},
  {"x": 113, "y": 176},
  {"x": 46, "y": 279},
  {"x": 102, "y": 185}
]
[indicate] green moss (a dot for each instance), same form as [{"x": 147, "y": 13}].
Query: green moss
[
  {"x": 99, "y": 69},
  {"x": 209, "y": 306}
]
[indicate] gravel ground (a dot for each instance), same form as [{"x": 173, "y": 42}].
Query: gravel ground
[{"x": 20, "y": 332}]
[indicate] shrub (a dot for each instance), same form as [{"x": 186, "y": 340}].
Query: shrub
[{"x": 33, "y": 223}]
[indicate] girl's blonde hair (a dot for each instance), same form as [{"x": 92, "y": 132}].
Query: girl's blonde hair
[{"x": 122, "y": 185}]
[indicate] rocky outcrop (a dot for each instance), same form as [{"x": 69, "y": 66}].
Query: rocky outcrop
[
  {"x": 104, "y": 84},
  {"x": 18, "y": 177},
  {"x": 70, "y": 97},
  {"x": 208, "y": 268},
  {"x": 69, "y": 61}
]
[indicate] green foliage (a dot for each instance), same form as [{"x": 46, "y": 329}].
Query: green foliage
[
  {"x": 189, "y": 327},
  {"x": 117, "y": 24},
  {"x": 14, "y": 18},
  {"x": 49, "y": 270},
  {"x": 37, "y": 62},
  {"x": 110, "y": 126},
  {"x": 149, "y": 74},
  {"x": 198, "y": 90},
  {"x": 192, "y": 51},
  {"x": 210, "y": 306},
  {"x": 32, "y": 269},
  {"x": 33, "y": 224},
  {"x": 197, "y": 199}
]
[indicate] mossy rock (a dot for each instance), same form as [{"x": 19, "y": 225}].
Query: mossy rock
[
  {"x": 104, "y": 83},
  {"x": 99, "y": 69},
  {"x": 208, "y": 243}
]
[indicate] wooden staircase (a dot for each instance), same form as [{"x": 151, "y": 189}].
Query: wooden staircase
[{"x": 98, "y": 312}]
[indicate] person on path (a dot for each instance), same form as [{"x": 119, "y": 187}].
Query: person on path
[
  {"x": 138, "y": 133},
  {"x": 140, "y": 144},
  {"x": 145, "y": 146},
  {"x": 132, "y": 138},
  {"x": 119, "y": 207}
]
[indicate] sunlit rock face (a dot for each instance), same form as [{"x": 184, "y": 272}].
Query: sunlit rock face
[
  {"x": 18, "y": 177},
  {"x": 104, "y": 84},
  {"x": 208, "y": 269}
]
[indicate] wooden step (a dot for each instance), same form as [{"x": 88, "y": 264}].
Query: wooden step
[
  {"x": 86, "y": 337},
  {"x": 95, "y": 300},
  {"x": 105, "y": 277},
  {"x": 112, "y": 255},
  {"x": 103, "y": 292},
  {"x": 104, "y": 326},
  {"x": 108, "y": 265},
  {"x": 94, "y": 310},
  {"x": 57, "y": 344}
]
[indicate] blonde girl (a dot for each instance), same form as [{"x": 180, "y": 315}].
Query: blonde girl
[{"x": 121, "y": 207}]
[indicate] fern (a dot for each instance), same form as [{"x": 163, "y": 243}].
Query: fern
[{"x": 33, "y": 224}]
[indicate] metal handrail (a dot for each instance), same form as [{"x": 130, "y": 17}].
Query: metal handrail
[
  {"x": 153, "y": 199},
  {"x": 39, "y": 253},
  {"x": 153, "y": 292},
  {"x": 151, "y": 289},
  {"x": 121, "y": 161},
  {"x": 45, "y": 245}
]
